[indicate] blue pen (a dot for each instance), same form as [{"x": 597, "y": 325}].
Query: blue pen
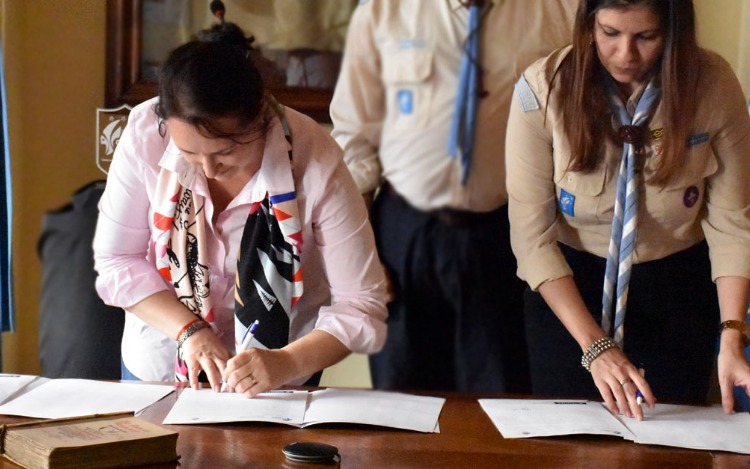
[
  {"x": 638, "y": 394},
  {"x": 246, "y": 339}
]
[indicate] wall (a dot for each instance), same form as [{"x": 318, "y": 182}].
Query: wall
[
  {"x": 55, "y": 53},
  {"x": 724, "y": 26}
]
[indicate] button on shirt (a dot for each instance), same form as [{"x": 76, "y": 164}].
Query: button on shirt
[
  {"x": 394, "y": 101},
  {"x": 344, "y": 285},
  {"x": 709, "y": 198}
]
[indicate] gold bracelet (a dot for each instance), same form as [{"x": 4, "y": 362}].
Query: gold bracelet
[{"x": 740, "y": 326}]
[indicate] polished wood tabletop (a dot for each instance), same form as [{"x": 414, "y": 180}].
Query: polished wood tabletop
[{"x": 467, "y": 440}]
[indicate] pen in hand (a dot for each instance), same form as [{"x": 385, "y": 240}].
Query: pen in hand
[
  {"x": 249, "y": 334},
  {"x": 638, "y": 394},
  {"x": 248, "y": 337}
]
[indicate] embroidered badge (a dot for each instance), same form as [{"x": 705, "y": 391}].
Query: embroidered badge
[
  {"x": 405, "y": 101},
  {"x": 412, "y": 43},
  {"x": 567, "y": 202},
  {"x": 691, "y": 196},
  {"x": 526, "y": 95},
  {"x": 697, "y": 139}
]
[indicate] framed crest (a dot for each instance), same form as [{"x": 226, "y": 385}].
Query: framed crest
[{"x": 110, "y": 122}]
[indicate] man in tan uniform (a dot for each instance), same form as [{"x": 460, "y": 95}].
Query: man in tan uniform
[{"x": 455, "y": 322}]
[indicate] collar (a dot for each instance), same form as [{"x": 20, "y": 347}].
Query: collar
[
  {"x": 173, "y": 161},
  {"x": 457, "y": 4},
  {"x": 632, "y": 102}
]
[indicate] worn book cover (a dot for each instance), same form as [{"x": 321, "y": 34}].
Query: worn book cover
[{"x": 98, "y": 441}]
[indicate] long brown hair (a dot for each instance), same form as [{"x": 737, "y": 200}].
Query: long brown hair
[{"x": 584, "y": 101}]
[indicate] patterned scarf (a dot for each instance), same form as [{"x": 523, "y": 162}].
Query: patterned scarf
[
  {"x": 269, "y": 279},
  {"x": 624, "y": 221}
]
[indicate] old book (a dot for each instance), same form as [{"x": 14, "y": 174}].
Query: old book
[{"x": 98, "y": 441}]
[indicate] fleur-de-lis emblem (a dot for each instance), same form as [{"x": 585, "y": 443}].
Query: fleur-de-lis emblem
[
  {"x": 109, "y": 125},
  {"x": 111, "y": 136}
]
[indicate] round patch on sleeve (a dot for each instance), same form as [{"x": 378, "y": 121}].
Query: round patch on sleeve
[{"x": 691, "y": 196}]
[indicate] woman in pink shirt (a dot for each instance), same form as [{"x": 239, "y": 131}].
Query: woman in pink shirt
[{"x": 223, "y": 208}]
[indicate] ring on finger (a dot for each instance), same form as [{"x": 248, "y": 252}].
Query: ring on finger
[
  {"x": 252, "y": 379},
  {"x": 625, "y": 381}
]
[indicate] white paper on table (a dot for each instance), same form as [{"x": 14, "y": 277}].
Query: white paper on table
[
  {"x": 207, "y": 406},
  {"x": 381, "y": 408},
  {"x": 302, "y": 409},
  {"x": 528, "y": 418},
  {"x": 60, "y": 398},
  {"x": 12, "y": 384},
  {"x": 707, "y": 428}
]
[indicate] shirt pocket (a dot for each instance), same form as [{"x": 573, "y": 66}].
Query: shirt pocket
[
  {"x": 406, "y": 75},
  {"x": 580, "y": 195},
  {"x": 679, "y": 203}
]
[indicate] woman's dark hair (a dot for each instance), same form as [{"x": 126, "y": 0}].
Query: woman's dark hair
[
  {"x": 200, "y": 82},
  {"x": 584, "y": 100}
]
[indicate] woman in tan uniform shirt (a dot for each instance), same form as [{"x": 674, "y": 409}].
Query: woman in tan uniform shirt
[{"x": 633, "y": 87}]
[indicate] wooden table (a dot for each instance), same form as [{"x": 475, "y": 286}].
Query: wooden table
[{"x": 467, "y": 440}]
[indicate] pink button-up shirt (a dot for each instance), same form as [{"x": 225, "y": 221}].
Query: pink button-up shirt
[{"x": 344, "y": 285}]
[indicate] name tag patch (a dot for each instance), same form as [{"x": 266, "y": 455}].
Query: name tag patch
[
  {"x": 567, "y": 203},
  {"x": 405, "y": 101},
  {"x": 412, "y": 43},
  {"x": 697, "y": 139},
  {"x": 526, "y": 95}
]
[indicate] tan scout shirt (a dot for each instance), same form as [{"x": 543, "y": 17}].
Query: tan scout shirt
[
  {"x": 394, "y": 99},
  {"x": 710, "y": 198}
]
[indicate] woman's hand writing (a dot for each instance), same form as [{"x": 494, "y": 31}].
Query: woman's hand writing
[
  {"x": 619, "y": 381},
  {"x": 255, "y": 371}
]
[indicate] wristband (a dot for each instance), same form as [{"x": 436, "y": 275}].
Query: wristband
[
  {"x": 190, "y": 328},
  {"x": 596, "y": 349},
  {"x": 740, "y": 326}
]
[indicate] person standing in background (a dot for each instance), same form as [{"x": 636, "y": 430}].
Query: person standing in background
[
  {"x": 628, "y": 160},
  {"x": 440, "y": 215}
]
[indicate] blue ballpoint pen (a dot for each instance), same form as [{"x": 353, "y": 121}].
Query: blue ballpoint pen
[
  {"x": 638, "y": 394},
  {"x": 246, "y": 339},
  {"x": 249, "y": 334}
]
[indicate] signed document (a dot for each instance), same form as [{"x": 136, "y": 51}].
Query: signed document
[
  {"x": 706, "y": 428},
  {"x": 303, "y": 408},
  {"x": 526, "y": 418}
]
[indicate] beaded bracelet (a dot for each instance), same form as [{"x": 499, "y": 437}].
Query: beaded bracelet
[
  {"x": 740, "y": 326},
  {"x": 596, "y": 349},
  {"x": 190, "y": 328}
]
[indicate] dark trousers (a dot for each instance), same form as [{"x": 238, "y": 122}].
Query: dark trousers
[
  {"x": 671, "y": 327},
  {"x": 455, "y": 323}
]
